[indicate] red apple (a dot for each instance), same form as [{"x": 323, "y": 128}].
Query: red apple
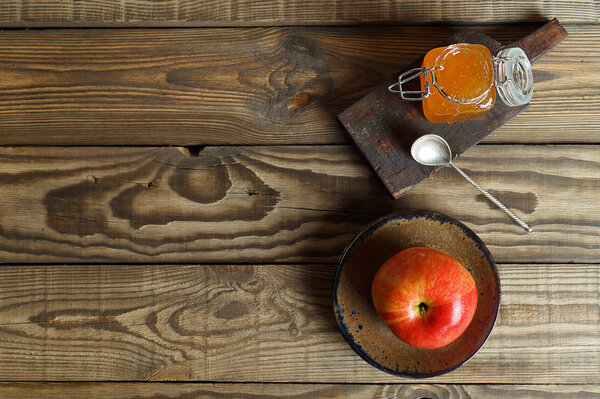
[{"x": 425, "y": 296}]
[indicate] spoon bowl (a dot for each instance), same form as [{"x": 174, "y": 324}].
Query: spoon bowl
[{"x": 431, "y": 150}]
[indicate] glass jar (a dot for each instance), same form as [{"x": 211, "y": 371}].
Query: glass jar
[{"x": 466, "y": 78}]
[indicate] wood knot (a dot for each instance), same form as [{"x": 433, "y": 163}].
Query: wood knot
[{"x": 299, "y": 100}]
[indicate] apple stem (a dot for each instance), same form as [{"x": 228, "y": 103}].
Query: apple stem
[{"x": 423, "y": 308}]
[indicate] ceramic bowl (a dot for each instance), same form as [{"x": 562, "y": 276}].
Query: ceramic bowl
[{"x": 357, "y": 318}]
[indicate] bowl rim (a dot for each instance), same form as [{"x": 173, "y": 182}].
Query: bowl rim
[{"x": 370, "y": 228}]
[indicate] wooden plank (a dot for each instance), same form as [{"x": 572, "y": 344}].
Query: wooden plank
[
  {"x": 270, "y": 323},
  {"x": 293, "y": 391},
  {"x": 279, "y": 204},
  {"x": 30, "y": 13},
  {"x": 383, "y": 126},
  {"x": 252, "y": 86}
]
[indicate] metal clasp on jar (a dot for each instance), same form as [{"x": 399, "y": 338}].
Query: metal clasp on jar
[
  {"x": 498, "y": 63},
  {"x": 414, "y": 95},
  {"x": 420, "y": 95}
]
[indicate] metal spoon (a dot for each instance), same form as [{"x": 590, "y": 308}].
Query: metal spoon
[{"x": 433, "y": 150}]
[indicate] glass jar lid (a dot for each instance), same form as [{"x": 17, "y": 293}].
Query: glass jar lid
[{"x": 514, "y": 76}]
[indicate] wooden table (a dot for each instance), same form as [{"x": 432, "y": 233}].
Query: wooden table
[{"x": 174, "y": 199}]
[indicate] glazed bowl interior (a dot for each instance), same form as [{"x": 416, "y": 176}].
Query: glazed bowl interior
[{"x": 357, "y": 318}]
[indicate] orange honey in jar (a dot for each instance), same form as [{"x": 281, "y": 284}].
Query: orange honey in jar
[{"x": 459, "y": 82}]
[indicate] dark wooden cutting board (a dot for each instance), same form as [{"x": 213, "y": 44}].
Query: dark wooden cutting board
[{"x": 384, "y": 126}]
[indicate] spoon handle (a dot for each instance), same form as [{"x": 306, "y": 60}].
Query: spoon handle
[{"x": 493, "y": 199}]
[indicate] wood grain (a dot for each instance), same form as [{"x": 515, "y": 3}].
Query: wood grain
[
  {"x": 29, "y": 13},
  {"x": 271, "y": 323},
  {"x": 293, "y": 391},
  {"x": 279, "y": 204},
  {"x": 252, "y": 85}
]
